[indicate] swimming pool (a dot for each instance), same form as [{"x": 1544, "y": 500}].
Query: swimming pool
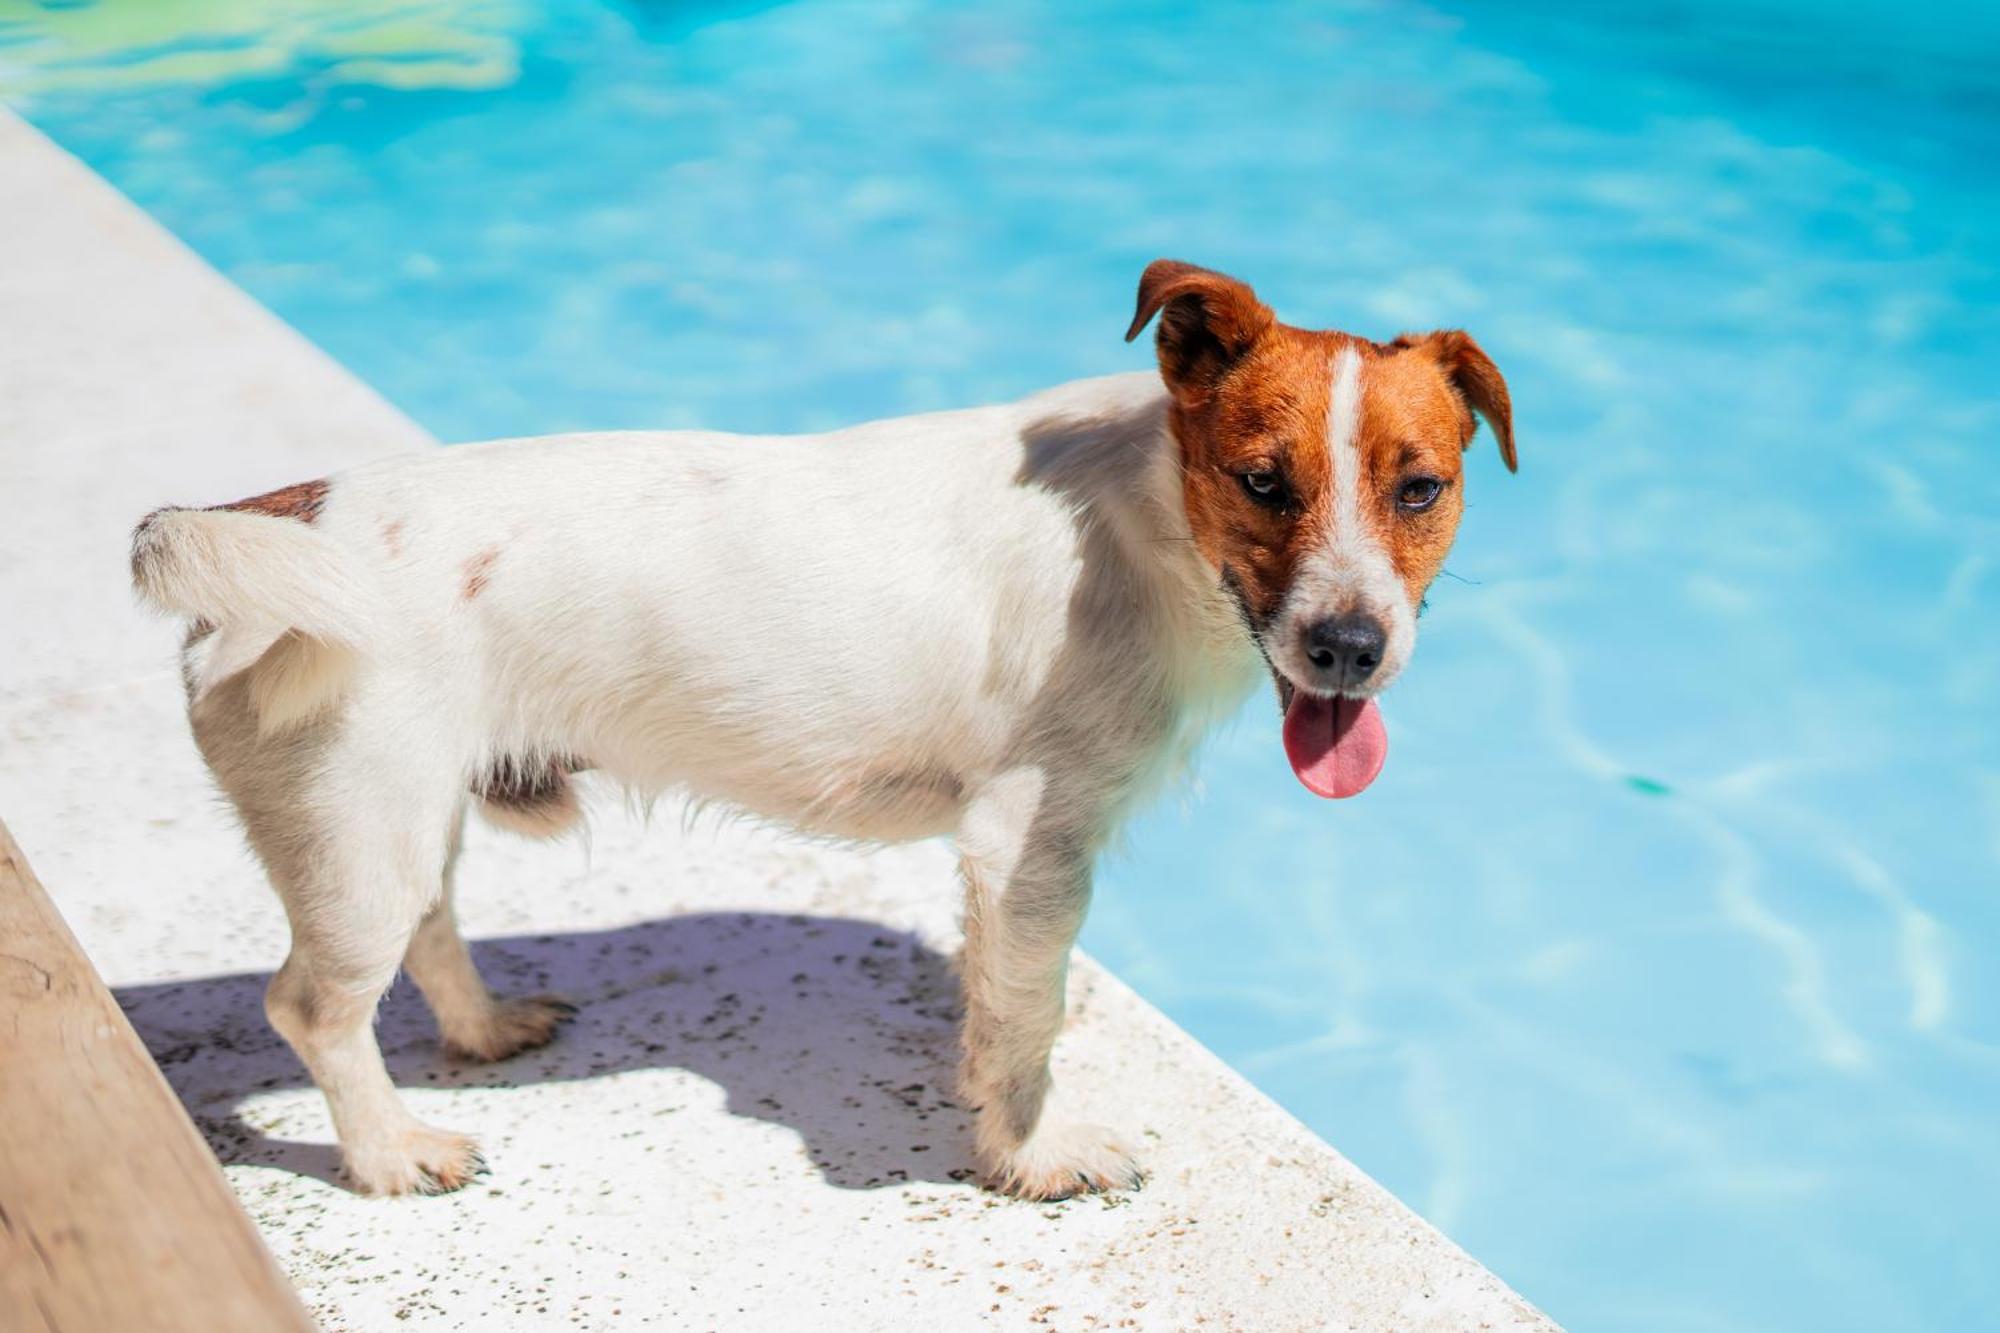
[{"x": 1660, "y": 966}]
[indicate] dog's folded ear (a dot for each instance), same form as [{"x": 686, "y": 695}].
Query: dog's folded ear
[
  {"x": 1477, "y": 380},
  {"x": 1207, "y": 321}
]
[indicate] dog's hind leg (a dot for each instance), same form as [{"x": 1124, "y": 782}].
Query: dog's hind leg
[
  {"x": 1026, "y": 859},
  {"x": 356, "y": 882},
  {"x": 473, "y": 1021}
]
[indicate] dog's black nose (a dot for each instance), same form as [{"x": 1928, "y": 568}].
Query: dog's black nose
[{"x": 1348, "y": 648}]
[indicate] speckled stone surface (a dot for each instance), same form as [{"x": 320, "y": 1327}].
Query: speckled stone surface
[{"x": 751, "y": 1123}]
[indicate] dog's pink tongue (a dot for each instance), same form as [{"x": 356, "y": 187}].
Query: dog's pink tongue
[{"x": 1336, "y": 745}]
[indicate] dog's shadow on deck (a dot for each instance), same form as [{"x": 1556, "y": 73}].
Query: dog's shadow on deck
[{"x": 843, "y": 1030}]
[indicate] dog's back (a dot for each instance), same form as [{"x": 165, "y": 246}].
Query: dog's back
[{"x": 841, "y": 632}]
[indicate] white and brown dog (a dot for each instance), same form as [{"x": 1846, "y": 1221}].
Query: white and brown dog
[{"x": 1010, "y": 624}]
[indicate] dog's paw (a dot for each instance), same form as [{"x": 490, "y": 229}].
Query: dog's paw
[
  {"x": 514, "y": 1026},
  {"x": 1061, "y": 1160},
  {"x": 420, "y": 1160}
]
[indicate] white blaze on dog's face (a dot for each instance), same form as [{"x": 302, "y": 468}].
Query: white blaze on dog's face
[{"x": 1322, "y": 481}]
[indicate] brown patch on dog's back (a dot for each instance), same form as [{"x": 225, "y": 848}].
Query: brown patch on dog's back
[
  {"x": 301, "y": 500},
  {"x": 392, "y": 537},
  {"x": 478, "y": 572}
]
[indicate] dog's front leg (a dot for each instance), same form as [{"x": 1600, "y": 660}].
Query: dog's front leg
[{"x": 1025, "y": 855}]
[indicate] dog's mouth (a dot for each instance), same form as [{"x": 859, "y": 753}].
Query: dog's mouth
[{"x": 1336, "y": 744}]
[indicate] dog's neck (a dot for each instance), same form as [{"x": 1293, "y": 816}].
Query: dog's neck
[{"x": 1106, "y": 446}]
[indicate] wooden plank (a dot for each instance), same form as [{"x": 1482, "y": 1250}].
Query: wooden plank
[{"x": 113, "y": 1213}]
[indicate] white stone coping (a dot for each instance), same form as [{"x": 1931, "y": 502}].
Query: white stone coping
[{"x": 750, "y": 1125}]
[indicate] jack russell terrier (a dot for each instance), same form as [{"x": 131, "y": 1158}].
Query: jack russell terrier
[{"x": 1011, "y": 624}]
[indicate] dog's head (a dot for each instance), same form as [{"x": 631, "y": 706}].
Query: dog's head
[{"x": 1322, "y": 481}]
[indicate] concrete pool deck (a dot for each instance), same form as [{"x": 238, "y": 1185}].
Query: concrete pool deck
[{"x": 750, "y": 1124}]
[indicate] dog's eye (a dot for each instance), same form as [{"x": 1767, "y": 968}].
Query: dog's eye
[
  {"x": 1264, "y": 486},
  {"x": 1419, "y": 493}
]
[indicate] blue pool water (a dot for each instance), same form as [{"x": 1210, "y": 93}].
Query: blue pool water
[{"x": 1662, "y": 966}]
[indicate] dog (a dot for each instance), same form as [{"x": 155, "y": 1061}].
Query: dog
[{"x": 1009, "y": 624}]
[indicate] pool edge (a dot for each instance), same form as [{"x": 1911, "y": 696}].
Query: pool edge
[{"x": 137, "y": 376}]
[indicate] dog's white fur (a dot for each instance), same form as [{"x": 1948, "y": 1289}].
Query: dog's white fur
[{"x": 991, "y": 623}]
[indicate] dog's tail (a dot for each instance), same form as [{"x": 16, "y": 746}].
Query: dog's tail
[{"x": 268, "y": 594}]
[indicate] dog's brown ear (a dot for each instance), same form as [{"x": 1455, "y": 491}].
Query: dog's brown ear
[
  {"x": 1477, "y": 380},
  {"x": 1207, "y": 321}
]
